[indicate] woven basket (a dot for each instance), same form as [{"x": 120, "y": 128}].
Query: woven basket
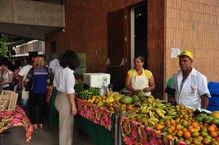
[
  {"x": 10, "y": 100},
  {"x": 3, "y": 105}
]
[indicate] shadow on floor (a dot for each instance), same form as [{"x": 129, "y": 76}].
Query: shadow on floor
[{"x": 45, "y": 136}]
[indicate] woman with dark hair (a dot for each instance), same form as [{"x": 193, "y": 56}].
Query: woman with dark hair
[
  {"x": 6, "y": 74},
  {"x": 64, "y": 81},
  {"x": 140, "y": 78}
]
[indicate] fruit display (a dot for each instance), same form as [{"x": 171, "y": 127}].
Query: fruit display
[
  {"x": 88, "y": 93},
  {"x": 112, "y": 102},
  {"x": 174, "y": 122},
  {"x": 178, "y": 122},
  {"x": 151, "y": 111}
]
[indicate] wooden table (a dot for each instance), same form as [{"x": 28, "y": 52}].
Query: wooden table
[{"x": 9, "y": 119}]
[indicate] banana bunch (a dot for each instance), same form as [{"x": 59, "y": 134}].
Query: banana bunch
[
  {"x": 151, "y": 112},
  {"x": 87, "y": 94}
]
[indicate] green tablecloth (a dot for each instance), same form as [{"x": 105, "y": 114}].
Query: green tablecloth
[
  {"x": 53, "y": 113},
  {"x": 98, "y": 134}
]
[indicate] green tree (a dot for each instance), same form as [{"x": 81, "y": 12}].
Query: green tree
[{"x": 3, "y": 45}]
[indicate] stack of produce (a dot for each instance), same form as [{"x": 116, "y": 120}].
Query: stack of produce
[
  {"x": 151, "y": 111},
  {"x": 191, "y": 128},
  {"x": 87, "y": 94},
  {"x": 178, "y": 122},
  {"x": 113, "y": 101}
]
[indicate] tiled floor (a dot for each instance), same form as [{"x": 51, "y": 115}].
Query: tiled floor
[{"x": 46, "y": 136}]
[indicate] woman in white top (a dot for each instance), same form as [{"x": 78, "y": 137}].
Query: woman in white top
[
  {"x": 7, "y": 75},
  {"x": 64, "y": 81}
]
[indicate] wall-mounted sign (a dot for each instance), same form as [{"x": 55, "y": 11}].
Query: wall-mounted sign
[{"x": 175, "y": 52}]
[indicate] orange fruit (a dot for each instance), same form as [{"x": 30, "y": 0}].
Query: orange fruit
[
  {"x": 198, "y": 127},
  {"x": 159, "y": 126},
  {"x": 167, "y": 122},
  {"x": 172, "y": 122},
  {"x": 194, "y": 124},
  {"x": 211, "y": 128},
  {"x": 184, "y": 129},
  {"x": 170, "y": 137},
  {"x": 173, "y": 127},
  {"x": 124, "y": 106},
  {"x": 179, "y": 127},
  {"x": 191, "y": 129},
  {"x": 186, "y": 134},
  {"x": 213, "y": 134},
  {"x": 217, "y": 139}
]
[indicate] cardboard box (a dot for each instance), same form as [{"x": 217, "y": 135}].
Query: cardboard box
[{"x": 96, "y": 80}]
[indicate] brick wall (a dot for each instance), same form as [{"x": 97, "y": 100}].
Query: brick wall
[
  {"x": 193, "y": 25},
  {"x": 86, "y": 30}
]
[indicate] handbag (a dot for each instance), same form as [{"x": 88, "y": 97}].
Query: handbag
[
  {"x": 29, "y": 85},
  {"x": 13, "y": 83}
]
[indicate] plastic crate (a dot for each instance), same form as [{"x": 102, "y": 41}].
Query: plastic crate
[
  {"x": 10, "y": 99},
  {"x": 214, "y": 100}
]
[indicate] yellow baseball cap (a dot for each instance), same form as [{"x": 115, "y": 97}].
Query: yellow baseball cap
[{"x": 186, "y": 53}]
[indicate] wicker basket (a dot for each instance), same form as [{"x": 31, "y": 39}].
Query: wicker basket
[
  {"x": 3, "y": 105},
  {"x": 8, "y": 100}
]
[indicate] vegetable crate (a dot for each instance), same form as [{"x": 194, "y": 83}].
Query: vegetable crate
[{"x": 8, "y": 100}]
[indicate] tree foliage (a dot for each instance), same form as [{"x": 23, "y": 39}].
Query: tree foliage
[
  {"x": 3, "y": 45},
  {"x": 9, "y": 41}
]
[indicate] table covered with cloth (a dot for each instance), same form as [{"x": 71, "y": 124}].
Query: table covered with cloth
[
  {"x": 94, "y": 113},
  {"x": 17, "y": 117},
  {"x": 134, "y": 133}
]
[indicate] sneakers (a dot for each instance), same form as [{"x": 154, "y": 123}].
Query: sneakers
[{"x": 35, "y": 126}]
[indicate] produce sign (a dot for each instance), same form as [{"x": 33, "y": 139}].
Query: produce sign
[
  {"x": 16, "y": 118},
  {"x": 135, "y": 133},
  {"x": 94, "y": 113}
]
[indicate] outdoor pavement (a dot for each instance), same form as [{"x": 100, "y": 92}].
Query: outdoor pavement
[{"x": 45, "y": 136}]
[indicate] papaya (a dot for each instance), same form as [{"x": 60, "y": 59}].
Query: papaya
[
  {"x": 126, "y": 100},
  {"x": 140, "y": 94},
  {"x": 134, "y": 98}
]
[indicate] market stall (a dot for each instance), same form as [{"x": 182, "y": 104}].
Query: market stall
[
  {"x": 94, "y": 113},
  {"x": 15, "y": 118},
  {"x": 95, "y": 121},
  {"x": 142, "y": 120}
]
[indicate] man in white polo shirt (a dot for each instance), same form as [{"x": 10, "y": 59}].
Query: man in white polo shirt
[{"x": 190, "y": 86}]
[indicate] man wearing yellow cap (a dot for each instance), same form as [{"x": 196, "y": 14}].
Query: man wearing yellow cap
[{"x": 190, "y": 86}]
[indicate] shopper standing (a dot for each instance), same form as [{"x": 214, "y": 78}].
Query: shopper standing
[
  {"x": 21, "y": 77},
  {"x": 40, "y": 76},
  {"x": 7, "y": 75},
  {"x": 64, "y": 81}
]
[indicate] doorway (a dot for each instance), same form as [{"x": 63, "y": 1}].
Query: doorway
[{"x": 139, "y": 33}]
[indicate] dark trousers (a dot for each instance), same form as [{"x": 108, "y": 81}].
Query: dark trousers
[{"x": 37, "y": 100}]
